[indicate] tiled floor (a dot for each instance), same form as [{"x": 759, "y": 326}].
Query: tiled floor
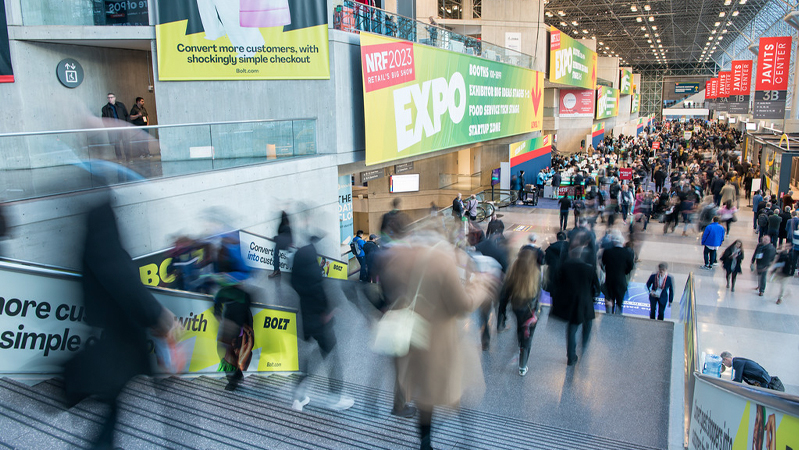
[{"x": 740, "y": 322}]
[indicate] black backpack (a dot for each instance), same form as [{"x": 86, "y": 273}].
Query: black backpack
[
  {"x": 763, "y": 220},
  {"x": 353, "y": 247}
]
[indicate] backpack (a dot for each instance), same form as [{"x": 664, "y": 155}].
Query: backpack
[
  {"x": 775, "y": 384},
  {"x": 763, "y": 220},
  {"x": 353, "y": 246}
]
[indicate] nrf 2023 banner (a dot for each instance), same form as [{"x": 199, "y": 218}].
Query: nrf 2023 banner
[
  {"x": 419, "y": 99},
  {"x": 571, "y": 62},
  {"x": 242, "y": 40},
  {"x": 607, "y": 102}
]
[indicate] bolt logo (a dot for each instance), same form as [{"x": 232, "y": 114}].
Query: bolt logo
[{"x": 445, "y": 97}]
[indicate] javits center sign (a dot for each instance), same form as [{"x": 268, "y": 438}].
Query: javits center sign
[
  {"x": 419, "y": 99},
  {"x": 571, "y": 62}
]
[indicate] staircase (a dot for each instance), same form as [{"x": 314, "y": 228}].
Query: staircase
[{"x": 197, "y": 413}]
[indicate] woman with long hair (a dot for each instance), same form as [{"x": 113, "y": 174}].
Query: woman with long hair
[
  {"x": 732, "y": 263},
  {"x": 522, "y": 288}
]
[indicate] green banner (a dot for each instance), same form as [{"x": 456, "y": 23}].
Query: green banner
[
  {"x": 607, "y": 102},
  {"x": 571, "y": 62},
  {"x": 419, "y": 99},
  {"x": 635, "y": 99},
  {"x": 625, "y": 82}
]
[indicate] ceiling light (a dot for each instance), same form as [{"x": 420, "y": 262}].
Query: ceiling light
[
  {"x": 649, "y": 41},
  {"x": 722, "y": 13},
  {"x": 563, "y": 24},
  {"x": 585, "y": 31},
  {"x": 720, "y": 38},
  {"x": 735, "y": 13},
  {"x": 724, "y": 31},
  {"x": 742, "y": 2},
  {"x": 561, "y": 13},
  {"x": 574, "y": 31},
  {"x": 607, "y": 48},
  {"x": 633, "y": 8},
  {"x": 659, "y": 46},
  {"x": 575, "y": 22},
  {"x": 600, "y": 43},
  {"x": 548, "y": 14},
  {"x": 713, "y": 31},
  {"x": 638, "y": 19},
  {"x": 646, "y": 35},
  {"x": 711, "y": 38},
  {"x": 654, "y": 27},
  {"x": 728, "y": 2},
  {"x": 656, "y": 34},
  {"x": 716, "y": 24},
  {"x": 651, "y": 18},
  {"x": 647, "y": 7},
  {"x": 652, "y": 46},
  {"x": 658, "y": 40},
  {"x": 644, "y": 28}
]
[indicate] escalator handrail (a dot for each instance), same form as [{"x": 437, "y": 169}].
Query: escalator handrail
[{"x": 781, "y": 401}]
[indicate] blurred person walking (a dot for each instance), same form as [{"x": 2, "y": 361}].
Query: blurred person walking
[
  {"x": 618, "y": 264},
  {"x": 117, "y": 302},
  {"x": 784, "y": 269},
  {"x": 573, "y": 301},
  {"x": 317, "y": 318},
  {"x": 472, "y": 208},
  {"x": 732, "y": 263},
  {"x": 522, "y": 289},
  {"x": 761, "y": 261},
  {"x": 436, "y": 372},
  {"x": 553, "y": 256},
  {"x": 283, "y": 240},
  {"x": 661, "y": 290}
]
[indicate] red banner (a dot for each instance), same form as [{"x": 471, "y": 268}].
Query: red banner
[
  {"x": 724, "y": 90},
  {"x": 742, "y": 72},
  {"x": 772, "y": 72},
  {"x": 625, "y": 174},
  {"x": 714, "y": 86},
  {"x": 708, "y": 90},
  {"x": 576, "y": 103}
]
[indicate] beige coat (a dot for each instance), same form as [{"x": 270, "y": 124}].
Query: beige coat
[
  {"x": 440, "y": 374},
  {"x": 728, "y": 193}
]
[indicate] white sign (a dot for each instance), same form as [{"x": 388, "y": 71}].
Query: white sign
[
  {"x": 257, "y": 252},
  {"x": 514, "y": 41},
  {"x": 404, "y": 183}
]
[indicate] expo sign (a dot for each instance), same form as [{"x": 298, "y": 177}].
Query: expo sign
[{"x": 444, "y": 96}]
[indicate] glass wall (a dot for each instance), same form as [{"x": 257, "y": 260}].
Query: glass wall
[{"x": 48, "y": 163}]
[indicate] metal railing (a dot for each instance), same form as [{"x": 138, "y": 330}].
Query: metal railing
[
  {"x": 356, "y": 17},
  {"x": 42, "y": 163}
]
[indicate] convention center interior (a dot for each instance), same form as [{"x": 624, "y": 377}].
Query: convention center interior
[{"x": 399, "y": 224}]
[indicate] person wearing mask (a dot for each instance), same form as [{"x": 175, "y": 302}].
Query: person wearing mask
[
  {"x": 762, "y": 259},
  {"x": 573, "y": 301},
  {"x": 522, "y": 289},
  {"x": 732, "y": 263},
  {"x": 661, "y": 289}
]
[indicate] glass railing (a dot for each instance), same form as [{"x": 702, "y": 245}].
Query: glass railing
[
  {"x": 355, "y": 17},
  {"x": 38, "y": 164},
  {"x": 84, "y": 12}
]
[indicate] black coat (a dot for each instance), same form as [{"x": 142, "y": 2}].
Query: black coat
[
  {"x": 122, "y": 111},
  {"x": 116, "y": 301},
  {"x": 307, "y": 281},
  {"x": 618, "y": 263},
  {"x": 727, "y": 259},
  {"x": 573, "y": 301}
]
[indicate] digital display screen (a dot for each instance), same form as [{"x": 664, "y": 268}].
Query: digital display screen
[{"x": 404, "y": 183}]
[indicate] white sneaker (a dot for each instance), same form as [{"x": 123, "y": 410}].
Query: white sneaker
[
  {"x": 523, "y": 371},
  {"x": 344, "y": 403},
  {"x": 297, "y": 405}
]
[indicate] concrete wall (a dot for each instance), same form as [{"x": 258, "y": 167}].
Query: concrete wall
[
  {"x": 517, "y": 16},
  {"x": 151, "y": 214},
  {"x": 608, "y": 69}
]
